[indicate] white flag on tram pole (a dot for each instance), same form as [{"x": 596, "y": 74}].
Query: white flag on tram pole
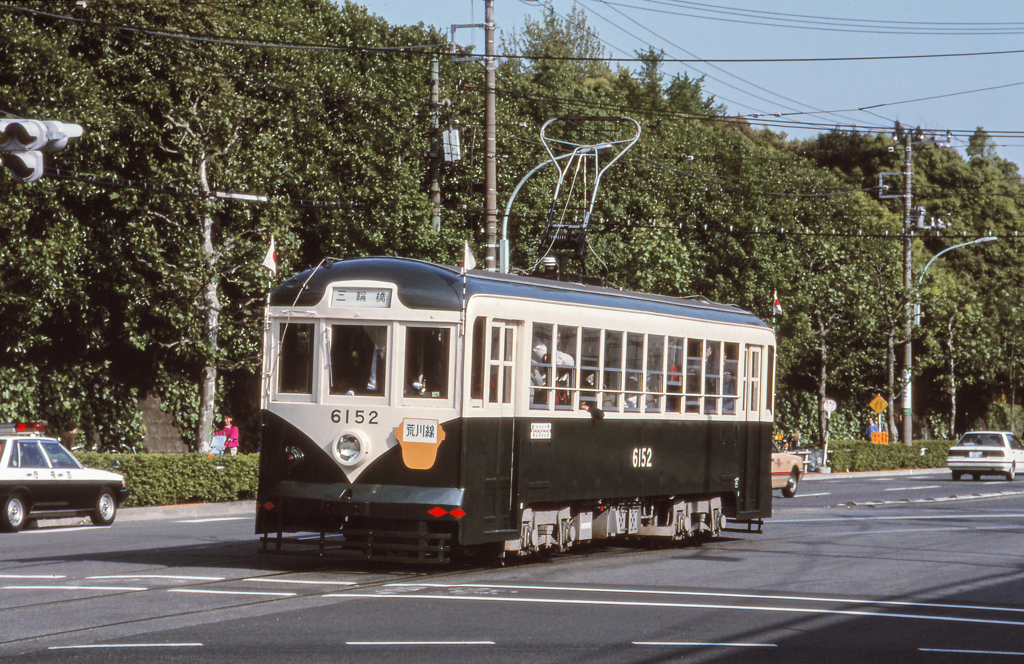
[
  {"x": 270, "y": 262},
  {"x": 468, "y": 262},
  {"x": 776, "y": 306}
]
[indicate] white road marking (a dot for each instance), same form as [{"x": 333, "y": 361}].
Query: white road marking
[
  {"x": 32, "y": 576},
  {"x": 310, "y": 583},
  {"x": 51, "y": 530},
  {"x": 227, "y": 592},
  {"x": 158, "y": 576},
  {"x": 419, "y": 643},
  {"x": 973, "y": 652},
  {"x": 682, "y": 605},
  {"x": 912, "y": 488},
  {"x": 811, "y": 495},
  {"x": 694, "y": 593},
  {"x": 129, "y": 645},
  {"x": 219, "y": 518},
  {"x": 705, "y": 645},
  {"x": 944, "y": 517},
  {"x": 74, "y": 588}
]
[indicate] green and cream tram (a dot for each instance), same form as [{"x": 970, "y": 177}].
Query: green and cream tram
[{"x": 409, "y": 410}]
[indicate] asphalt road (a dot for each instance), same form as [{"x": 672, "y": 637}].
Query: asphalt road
[{"x": 897, "y": 581}]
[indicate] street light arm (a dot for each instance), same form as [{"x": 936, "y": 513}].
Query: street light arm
[{"x": 982, "y": 240}]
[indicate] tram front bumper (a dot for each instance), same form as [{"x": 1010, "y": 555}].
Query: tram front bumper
[{"x": 294, "y": 506}]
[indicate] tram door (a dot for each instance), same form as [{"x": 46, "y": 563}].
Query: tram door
[
  {"x": 750, "y": 447},
  {"x": 499, "y": 409}
]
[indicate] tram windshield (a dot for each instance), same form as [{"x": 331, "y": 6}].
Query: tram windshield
[
  {"x": 426, "y": 362},
  {"x": 359, "y": 360}
]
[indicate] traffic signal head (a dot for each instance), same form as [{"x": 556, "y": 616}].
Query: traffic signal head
[
  {"x": 45, "y": 136},
  {"x": 25, "y": 166},
  {"x": 25, "y": 141}
]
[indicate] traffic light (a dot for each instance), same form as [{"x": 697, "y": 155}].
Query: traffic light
[{"x": 25, "y": 141}]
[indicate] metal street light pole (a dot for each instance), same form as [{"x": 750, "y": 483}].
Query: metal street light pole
[{"x": 910, "y": 321}]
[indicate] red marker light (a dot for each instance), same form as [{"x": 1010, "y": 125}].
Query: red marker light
[{"x": 437, "y": 511}]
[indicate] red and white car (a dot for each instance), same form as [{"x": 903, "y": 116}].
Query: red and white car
[{"x": 980, "y": 453}]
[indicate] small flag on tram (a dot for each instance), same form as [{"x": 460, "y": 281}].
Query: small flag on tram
[
  {"x": 776, "y": 306},
  {"x": 270, "y": 262},
  {"x": 468, "y": 262}
]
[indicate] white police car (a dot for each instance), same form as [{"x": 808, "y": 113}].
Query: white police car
[{"x": 40, "y": 479}]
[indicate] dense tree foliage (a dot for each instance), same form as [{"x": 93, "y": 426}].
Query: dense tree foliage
[{"x": 133, "y": 271}]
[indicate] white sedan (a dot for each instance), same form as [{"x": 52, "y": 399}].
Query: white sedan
[{"x": 980, "y": 453}]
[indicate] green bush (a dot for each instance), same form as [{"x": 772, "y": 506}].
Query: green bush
[
  {"x": 854, "y": 456},
  {"x": 173, "y": 479}
]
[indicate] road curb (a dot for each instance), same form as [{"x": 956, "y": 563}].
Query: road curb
[
  {"x": 873, "y": 473},
  {"x": 167, "y": 513}
]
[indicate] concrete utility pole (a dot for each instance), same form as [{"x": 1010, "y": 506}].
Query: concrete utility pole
[
  {"x": 490, "y": 144},
  {"x": 908, "y": 285},
  {"x": 435, "y": 145}
]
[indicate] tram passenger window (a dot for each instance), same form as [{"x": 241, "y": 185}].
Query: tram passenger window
[
  {"x": 634, "y": 370},
  {"x": 495, "y": 366},
  {"x": 611, "y": 383},
  {"x": 565, "y": 366},
  {"x": 476, "y": 390},
  {"x": 769, "y": 379},
  {"x": 674, "y": 380},
  {"x": 295, "y": 372},
  {"x": 755, "y": 378},
  {"x": 655, "y": 373},
  {"x": 426, "y": 362},
  {"x": 540, "y": 365},
  {"x": 712, "y": 376},
  {"x": 358, "y": 359},
  {"x": 590, "y": 367},
  {"x": 730, "y": 385},
  {"x": 694, "y": 356}
]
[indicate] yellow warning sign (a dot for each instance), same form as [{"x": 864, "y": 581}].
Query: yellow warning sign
[
  {"x": 878, "y": 404},
  {"x": 880, "y": 437}
]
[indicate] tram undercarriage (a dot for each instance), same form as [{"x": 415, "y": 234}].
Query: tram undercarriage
[{"x": 542, "y": 531}]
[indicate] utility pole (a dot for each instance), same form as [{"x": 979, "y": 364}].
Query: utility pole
[
  {"x": 490, "y": 143},
  {"x": 435, "y": 145},
  {"x": 908, "y": 285}
]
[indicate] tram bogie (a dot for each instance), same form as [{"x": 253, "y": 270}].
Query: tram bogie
[{"x": 410, "y": 410}]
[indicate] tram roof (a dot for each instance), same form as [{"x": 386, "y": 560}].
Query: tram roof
[{"x": 424, "y": 285}]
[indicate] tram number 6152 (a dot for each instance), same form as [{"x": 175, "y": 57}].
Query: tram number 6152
[
  {"x": 641, "y": 457},
  {"x": 354, "y": 417}
]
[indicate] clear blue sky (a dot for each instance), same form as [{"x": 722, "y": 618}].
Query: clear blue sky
[{"x": 731, "y": 29}]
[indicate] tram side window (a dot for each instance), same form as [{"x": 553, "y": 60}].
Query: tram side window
[
  {"x": 611, "y": 383},
  {"x": 674, "y": 380},
  {"x": 540, "y": 365},
  {"x": 476, "y": 390},
  {"x": 634, "y": 370},
  {"x": 694, "y": 356},
  {"x": 358, "y": 359},
  {"x": 730, "y": 384},
  {"x": 655, "y": 373},
  {"x": 590, "y": 359},
  {"x": 426, "y": 362},
  {"x": 295, "y": 372},
  {"x": 565, "y": 366},
  {"x": 712, "y": 376},
  {"x": 769, "y": 379}
]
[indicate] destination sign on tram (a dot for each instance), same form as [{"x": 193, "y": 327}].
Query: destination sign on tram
[{"x": 377, "y": 298}]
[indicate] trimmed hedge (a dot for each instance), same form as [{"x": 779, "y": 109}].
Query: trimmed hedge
[
  {"x": 853, "y": 456},
  {"x": 173, "y": 479}
]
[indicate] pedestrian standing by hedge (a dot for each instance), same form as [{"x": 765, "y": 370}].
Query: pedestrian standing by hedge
[
  {"x": 872, "y": 428},
  {"x": 230, "y": 433}
]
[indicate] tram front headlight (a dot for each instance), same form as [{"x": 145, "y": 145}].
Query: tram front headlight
[{"x": 350, "y": 449}]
